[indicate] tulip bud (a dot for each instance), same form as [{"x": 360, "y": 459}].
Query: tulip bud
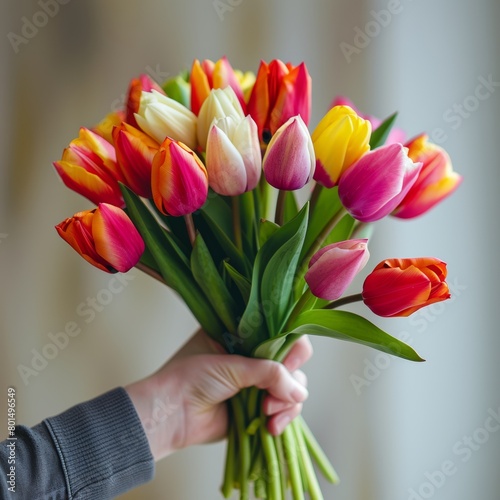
[
  {"x": 220, "y": 103},
  {"x": 160, "y": 117},
  {"x": 135, "y": 151},
  {"x": 280, "y": 92},
  {"x": 395, "y": 135},
  {"x": 88, "y": 166},
  {"x": 436, "y": 180},
  {"x": 179, "y": 179},
  {"x": 332, "y": 269},
  {"x": 208, "y": 75},
  {"x": 375, "y": 185},
  {"x": 136, "y": 87},
  {"x": 105, "y": 127},
  {"x": 289, "y": 161},
  {"x": 340, "y": 139},
  {"x": 233, "y": 158},
  {"x": 399, "y": 287},
  {"x": 179, "y": 89},
  {"x": 105, "y": 237}
]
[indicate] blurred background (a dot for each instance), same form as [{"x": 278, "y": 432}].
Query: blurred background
[{"x": 394, "y": 430}]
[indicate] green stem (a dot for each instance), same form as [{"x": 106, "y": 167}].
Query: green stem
[
  {"x": 228, "y": 482},
  {"x": 317, "y": 452},
  {"x": 272, "y": 466},
  {"x": 191, "y": 230},
  {"x": 291, "y": 455},
  {"x": 244, "y": 446},
  {"x": 306, "y": 296},
  {"x": 280, "y": 207},
  {"x": 237, "y": 222},
  {"x": 349, "y": 299},
  {"x": 314, "y": 196},
  {"x": 312, "y": 480},
  {"x": 327, "y": 229},
  {"x": 150, "y": 271},
  {"x": 265, "y": 192}
]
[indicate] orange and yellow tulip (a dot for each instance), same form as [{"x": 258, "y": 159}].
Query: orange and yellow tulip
[
  {"x": 280, "y": 92},
  {"x": 208, "y": 75},
  {"x": 399, "y": 287},
  {"x": 88, "y": 166},
  {"x": 436, "y": 179},
  {"x": 179, "y": 179},
  {"x": 105, "y": 237}
]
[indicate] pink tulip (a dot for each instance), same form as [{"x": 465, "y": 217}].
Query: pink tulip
[
  {"x": 179, "y": 179},
  {"x": 375, "y": 185},
  {"x": 289, "y": 161},
  {"x": 332, "y": 269}
]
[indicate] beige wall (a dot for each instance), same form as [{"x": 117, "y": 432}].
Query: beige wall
[{"x": 407, "y": 420}]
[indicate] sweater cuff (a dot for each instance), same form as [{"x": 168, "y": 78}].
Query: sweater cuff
[{"x": 102, "y": 447}]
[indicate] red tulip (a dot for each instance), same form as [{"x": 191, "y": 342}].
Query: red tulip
[
  {"x": 436, "y": 180},
  {"x": 179, "y": 179},
  {"x": 399, "y": 287},
  {"x": 280, "y": 92},
  {"x": 135, "y": 151},
  {"x": 332, "y": 269},
  {"x": 105, "y": 237}
]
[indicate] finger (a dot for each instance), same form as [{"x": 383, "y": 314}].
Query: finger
[
  {"x": 272, "y": 405},
  {"x": 277, "y": 423},
  {"x": 300, "y": 352},
  {"x": 265, "y": 374}
]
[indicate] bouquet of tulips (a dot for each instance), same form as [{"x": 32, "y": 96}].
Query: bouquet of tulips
[{"x": 212, "y": 183}]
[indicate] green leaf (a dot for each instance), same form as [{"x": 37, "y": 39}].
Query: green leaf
[
  {"x": 327, "y": 205},
  {"x": 266, "y": 229},
  {"x": 241, "y": 281},
  {"x": 174, "y": 270},
  {"x": 380, "y": 134},
  {"x": 253, "y": 327},
  {"x": 342, "y": 325},
  {"x": 208, "y": 278}
]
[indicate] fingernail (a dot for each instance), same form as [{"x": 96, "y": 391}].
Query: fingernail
[
  {"x": 281, "y": 422},
  {"x": 300, "y": 393}
]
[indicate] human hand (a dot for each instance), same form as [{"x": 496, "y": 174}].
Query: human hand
[{"x": 183, "y": 403}]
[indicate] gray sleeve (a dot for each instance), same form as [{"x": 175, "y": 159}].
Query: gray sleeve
[{"x": 97, "y": 449}]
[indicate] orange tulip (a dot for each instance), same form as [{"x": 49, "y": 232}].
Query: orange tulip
[
  {"x": 207, "y": 75},
  {"x": 436, "y": 180},
  {"x": 179, "y": 179},
  {"x": 399, "y": 287},
  {"x": 105, "y": 237},
  {"x": 280, "y": 92},
  {"x": 88, "y": 166}
]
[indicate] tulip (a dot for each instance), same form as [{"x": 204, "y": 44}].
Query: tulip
[
  {"x": 105, "y": 237},
  {"x": 289, "y": 161},
  {"x": 436, "y": 180},
  {"x": 233, "y": 159},
  {"x": 395, "y": 135},
  {"x": 160, "y": 117},
  {"x": 135, "y": 151},
  {"x": 179, "y": 179},
  {"x": 208, "y": 75},
  {"x": 136, "y": 87},
  {"x": 88, "y": 166},
  {"x": 105, "y": 127},
  {"x": 340, "y": 139},
  {"x": 399, "y": 287},
  {"x": 179, "y": 89},
  {"x": 220, "y": 103},
  {"x": 332, "y": 269},
  {"x": 375, "y": 185},
  {"x": 280, "y": 92}
]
